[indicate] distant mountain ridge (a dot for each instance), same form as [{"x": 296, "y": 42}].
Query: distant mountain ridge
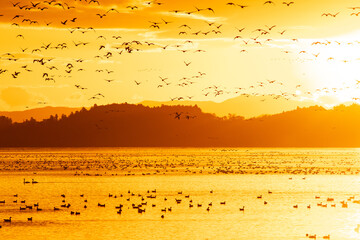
[
  {"x": 38, "y": 113},
  {"x": 243, "y": 105},
  {"x": 128, "y": 125}
]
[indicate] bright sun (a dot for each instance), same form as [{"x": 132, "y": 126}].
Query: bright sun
[{"x": 331, "y": 68}]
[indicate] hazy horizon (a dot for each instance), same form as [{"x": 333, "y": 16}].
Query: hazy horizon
[{"x": 238, "y": 106}]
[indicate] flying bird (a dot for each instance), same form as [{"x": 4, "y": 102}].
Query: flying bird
[
  {"x": 240, "y": 30},
  {"x": 113, "y": 10},
  {"x": 94, "y": 1},
  {"x": 288, "y": 3},
  {"x": 132, "y": 7},
  {"x": 100, "y": 15}
]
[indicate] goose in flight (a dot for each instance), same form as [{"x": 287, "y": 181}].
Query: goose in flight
[
  {"x": 112, "y": 9},
  {"x": 94, "y": 1},
  {"x": 288, "y": 3},
  {"x": 15, "y": 4},
  {"x": 132, "y": 7},
  {"x": 177, "y": 115},
  {"x": 240, "y": 30},
  {"x": 100, "y": 15},
  {"x": 166, "y": 22},
  {"x": 270, "y": 28}
]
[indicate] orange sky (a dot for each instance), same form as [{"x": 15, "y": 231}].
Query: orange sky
[{"x": 131, "y": 55}]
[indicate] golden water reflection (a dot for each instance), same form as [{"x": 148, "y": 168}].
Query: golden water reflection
[{"x": 286, "y": 193}]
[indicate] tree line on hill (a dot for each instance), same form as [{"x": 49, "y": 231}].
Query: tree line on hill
[{"x": 128, "y": 125}]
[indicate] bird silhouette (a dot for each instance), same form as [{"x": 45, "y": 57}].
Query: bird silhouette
[
  {"x": 288, "y": 3},
  {"x": 269, "y": 2}
]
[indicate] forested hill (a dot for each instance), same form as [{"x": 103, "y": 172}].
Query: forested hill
[{"x": 185, "y": 126}]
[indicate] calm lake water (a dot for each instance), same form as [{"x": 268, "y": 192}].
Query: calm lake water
[{"x": 181, "y": 193}]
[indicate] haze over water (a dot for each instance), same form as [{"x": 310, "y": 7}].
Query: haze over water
[{"x": 287, "y": 180}]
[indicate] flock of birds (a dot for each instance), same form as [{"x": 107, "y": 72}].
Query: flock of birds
[
  {"x": 46, "y": 67},
  {"x": 158, "y": 203},
  {"x": 226, "y": 161}
]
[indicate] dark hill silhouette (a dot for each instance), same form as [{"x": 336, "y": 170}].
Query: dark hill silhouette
[
  {"x": 244, "y": 105},
  {"x": 129, "y": 125}
]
